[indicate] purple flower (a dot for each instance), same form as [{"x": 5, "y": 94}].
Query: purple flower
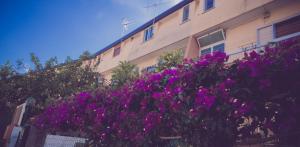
[
  {"x": 157, "y": 95},
  {"x": 254, "y": 55},
  {"x": 172, "y": 80},
  {"x": 100, "y": 115},
  {"x": 151, "y": 120},
  {"x": 155, "y": 77},
  {"x": 203, "y": 98},
  {"x": 161, "y": 107},
  {"x": 82, "y": 98},
  {"x": 176, "y": 105},
  {"x": 170, "y": 72}
]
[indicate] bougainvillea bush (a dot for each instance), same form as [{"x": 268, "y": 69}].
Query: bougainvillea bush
[{"x": 205, "y": 103}]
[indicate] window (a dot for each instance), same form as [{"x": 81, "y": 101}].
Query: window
[
  {"x": 212, "y": 42},
  {"x": 117, "y": 51},
  {"x": 209, "y": 4},
  {"x": 148, "y": 33},
  {"x": 186, "y": 13},
  {"x": 279, "y": 31},
  {"x": 211, "y": 38},
  {"x": 265, "y": 35},
  {"x": 218, "y": 47},
  {"x": 287, "y": 27},
  {"x": 151, "y": 69},
  {"x": 205, "y": 51}
]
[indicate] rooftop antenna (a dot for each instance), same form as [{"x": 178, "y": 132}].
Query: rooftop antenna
[{"x": 125, "y": 24}]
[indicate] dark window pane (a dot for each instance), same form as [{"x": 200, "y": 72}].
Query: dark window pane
[
  {"x": 209, "y": 4},
  {"x": 219, "y": 48},
  {"x": 210, "y": 39},
  {"x": 148, "y": 34},
  {"x": 145, "y": 35},
  {"x": 117, "y": 51},
  {"x": 287, "y": 27},
  {"x": 151, "y": 69},
  {"x": 205, "y": 51},
  {"x": 186, "y": 12}
]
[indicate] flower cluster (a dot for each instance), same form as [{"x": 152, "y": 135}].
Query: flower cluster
[{"x": 204, "y": 101}]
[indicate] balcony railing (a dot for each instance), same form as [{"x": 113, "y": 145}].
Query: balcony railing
[{"x": 247, "y": 48}]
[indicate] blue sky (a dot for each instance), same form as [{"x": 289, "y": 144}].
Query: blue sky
[{"x": 64, "y": 28}]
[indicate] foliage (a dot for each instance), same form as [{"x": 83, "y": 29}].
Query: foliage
[
  {"x": 170, "y": 60},
  {"x": 45, "y": 83},
  {"x": 206, "y": 102},
  {"x": 123, "y": 74},
  {"x": 85, "y": 55}
]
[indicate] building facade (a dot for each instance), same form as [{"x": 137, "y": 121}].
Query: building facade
[{"x": 199, "y": 27}]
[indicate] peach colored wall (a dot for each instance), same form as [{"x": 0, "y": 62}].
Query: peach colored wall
[
  {"x": 239, "y": 18},
  {"x": 247, "y": 33},
  {"x": 192, "y": 49}
]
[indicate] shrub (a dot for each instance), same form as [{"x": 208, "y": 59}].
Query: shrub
[
  {"x": 124, "y": 73},
  {"x": 206, "y": 102}
]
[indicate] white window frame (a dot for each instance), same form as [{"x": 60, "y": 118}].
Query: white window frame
[
  {"x": 214, "y": 44},
  {"x": 145, "y": 38},
  {"x": 223, "y": 34},
  {"x": 211, "y": 46}
]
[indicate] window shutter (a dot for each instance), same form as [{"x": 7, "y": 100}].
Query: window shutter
[
  {"x": 117, "y": 51},
  {"x": 265, "y": 35},
  {"x": 287, "y": 27}
]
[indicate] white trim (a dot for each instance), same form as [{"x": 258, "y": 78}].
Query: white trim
[
  {"x": 214, "y": 44},
  {"x": 223, "y": 34},
  {"x": 211, "y": 47}
]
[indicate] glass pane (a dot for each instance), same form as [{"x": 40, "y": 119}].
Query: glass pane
[
  {"x": 209, "y": 4},
  {"x": 145, "y": 35},
  {"x": 151, "y": 69},
  {"x": 150, "y": 32},
  {"x": 205, "y": 51},
  {"x": 185, "y": 15},
  {"x": 219, "y": 48},
  {"x": 287, "y": 27},
  {"x": 210, "y": 39}
]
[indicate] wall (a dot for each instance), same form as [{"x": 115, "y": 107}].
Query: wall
[
  {"x": 239, "y": 18},
  {"x": 246, "y": 34}
]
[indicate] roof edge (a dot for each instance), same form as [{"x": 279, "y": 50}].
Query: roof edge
[{"x": 146, "y": 25}]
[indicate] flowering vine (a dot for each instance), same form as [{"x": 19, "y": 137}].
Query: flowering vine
[{"x": 206, "y": 102}]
